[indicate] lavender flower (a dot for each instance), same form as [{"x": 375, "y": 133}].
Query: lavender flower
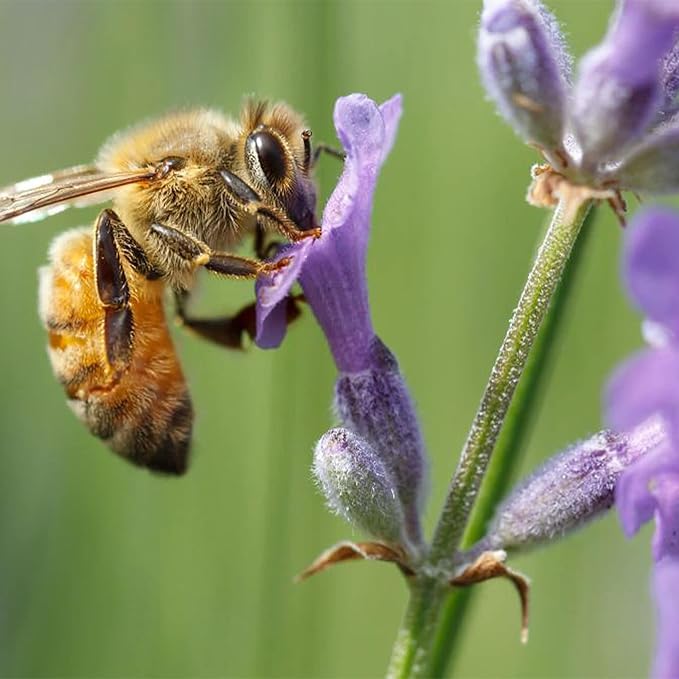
[
  {"x": 371, "y": 398},
  {"x": 646, "y": 385},
  {"x": 569, "y": 490},
  {"x": 613, "y": 129}
]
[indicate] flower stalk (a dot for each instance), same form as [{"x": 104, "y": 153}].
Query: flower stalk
[
  {"x": 507, "y": 454},
  {"x": 524, "y": 326},
  {"x": 417, "y": 634}
]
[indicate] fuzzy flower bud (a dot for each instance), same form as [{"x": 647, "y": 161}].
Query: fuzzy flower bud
[
  {"x": 619, "y": 89},
  {"x": 569, "y": 490},
  {"x": 358, "y": 486},
  {"x": 525, "y": 68},
  {"x": 375, "y": 404}
]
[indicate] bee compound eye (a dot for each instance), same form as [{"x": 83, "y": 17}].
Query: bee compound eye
[{"x": 271, "y": 155}]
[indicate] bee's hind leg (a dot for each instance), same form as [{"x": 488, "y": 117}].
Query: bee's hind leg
[{"x": 113, "y": 291}]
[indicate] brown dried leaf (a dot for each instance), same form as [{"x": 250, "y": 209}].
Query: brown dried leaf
[
  {"x": 350, "y": 551},
  {"x": 490, "y": 565}
]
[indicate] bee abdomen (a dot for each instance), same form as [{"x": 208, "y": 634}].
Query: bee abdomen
[{"x": 140, "y": 405}]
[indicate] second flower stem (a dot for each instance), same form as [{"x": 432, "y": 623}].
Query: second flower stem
[{"x": 524, "y": 325}]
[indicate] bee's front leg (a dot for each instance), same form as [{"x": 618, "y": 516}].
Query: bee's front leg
[{"x": 250, "y": 202}]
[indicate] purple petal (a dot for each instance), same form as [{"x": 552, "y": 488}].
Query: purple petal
[
  {"x": 645, "y": 385},
  {"x": 633, "y": 497},
  {"x": 271, "y": 291},
  {"x": 525, "y": 68},
  {"x": 333, "y": 278},
  {"x": 391, "y": 111},
  {"x": 651, "y": 265},
  {"x": 619, "y": 90},
  {"x": 666, "y": 492},
  {"x": 666, "y": 595}
]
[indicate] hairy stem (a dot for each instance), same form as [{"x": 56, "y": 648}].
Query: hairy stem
[
  {"x": 416, "y": 637},
  {"x": 520, "y": 417},
  {"x": 524, "y": 325}
]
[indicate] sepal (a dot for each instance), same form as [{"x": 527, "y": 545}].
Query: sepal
[{"x": 376, "y": 405}]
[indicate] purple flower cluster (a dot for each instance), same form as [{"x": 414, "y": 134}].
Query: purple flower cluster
[
  {"x": 647, "y": 386},
  {"x": 372, "y": 470},
  {"x": 615, "y": 125}
]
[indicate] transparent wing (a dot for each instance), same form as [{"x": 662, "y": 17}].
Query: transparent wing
[{"x": 39, "y": 197}]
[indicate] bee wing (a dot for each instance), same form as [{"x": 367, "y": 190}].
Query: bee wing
[{"x": 37, "y": 198}]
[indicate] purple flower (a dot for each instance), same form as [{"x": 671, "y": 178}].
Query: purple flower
[
  {"x": 613, "y": 127},
  {"x": 331, "y": 270},
  {"x": 372, "y": 401},
  {"x": 646, "y": 386}
]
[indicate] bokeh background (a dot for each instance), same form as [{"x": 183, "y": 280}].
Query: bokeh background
[{"x": 108, "y": 571}]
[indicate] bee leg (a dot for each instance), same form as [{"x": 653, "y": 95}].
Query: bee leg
[
  {"x": 250, "y": 202},
  {"x": 264, "y": 250},
  {"x": 130, "y": 250},
  {"x": 198, "y": 253},
  {"x": 113, "y": 291},
  {"x": 311, "y": 156},
  {"x": 228, "y": 331}
]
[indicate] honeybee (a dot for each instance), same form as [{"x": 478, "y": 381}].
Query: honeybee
[{"x": 186, "y": 189}]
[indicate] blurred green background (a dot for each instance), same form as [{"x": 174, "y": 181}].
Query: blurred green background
[{"x": 108, "y": 571}]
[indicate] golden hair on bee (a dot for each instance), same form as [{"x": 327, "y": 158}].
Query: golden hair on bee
[{"x": 135, "y": 398}]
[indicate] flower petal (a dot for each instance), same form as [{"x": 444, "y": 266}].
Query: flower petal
[
  {"x": 652, "y": 166},
  {"x": 633, "y": 497},
  {"x": 665, "y": 489},
  {"x": 333, "y": 278},
  {"x": 666, "y": 595},
  {"x": 619, "y": 90},
  {"x": 271, "y": 291},
  {"x": 645, "y": 385},
  {"x": 651, "y": 265},
  {"x": 525, "y": 68}
]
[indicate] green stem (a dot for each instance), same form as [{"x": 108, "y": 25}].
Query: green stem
[
  {"x": 414, "y": 642},
  {"x": 418, "y": 627},
  {"x": 507, "y": 454},
  {"x": 524, "y": 325}
]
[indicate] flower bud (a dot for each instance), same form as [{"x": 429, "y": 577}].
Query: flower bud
[
  {"x": 525, "y": 67},
  {"x": 358, "y": 486},
  {"x": 376, "y": 405},
  {"x": 569, "y": 490},
  {"x": 619, "y": 88}
]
